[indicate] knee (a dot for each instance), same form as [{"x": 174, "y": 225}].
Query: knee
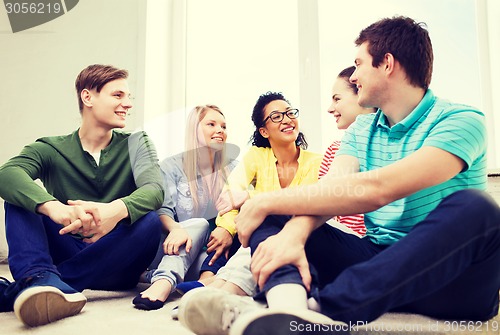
[
  {"x": 479, "y": 205},
  {"x": 197, "y": 223},
  {"x": 197, "y": 228},
  {"x": 149, "y": 225},
  {"x": 15, "y": 214},
  {"x": 11, "y": 209},
  {"x": 480, "y": 200},
  {"x": 152, "y": 219},
  {"x": 269, "y": 227}
]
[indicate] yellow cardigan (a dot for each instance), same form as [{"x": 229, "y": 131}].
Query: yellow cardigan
[{"x": 258, "y": 169}]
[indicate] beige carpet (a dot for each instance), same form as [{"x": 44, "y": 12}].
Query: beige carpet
[
  {"x": 113, "y": 313},
  {"x": 105, "y": 313}
]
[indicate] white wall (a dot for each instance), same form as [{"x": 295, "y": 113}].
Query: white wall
[
  {"x": 452, "y": 29},
  {"x": 234, "y": 50},
  {"x": 227, "y": 52},
  {"x": 488, "y": 27},
  {"x": 39, "y": 66}
]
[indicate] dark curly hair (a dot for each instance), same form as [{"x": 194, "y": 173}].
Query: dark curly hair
[{"x": 258, "y": 117}]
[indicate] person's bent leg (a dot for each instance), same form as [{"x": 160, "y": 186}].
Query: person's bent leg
[
  {"x": 222, "y": 260},
  {"x": 237, "y": 274},
  {"x": 173, "y": 268},
  {"x": 29, "y": 236},
  {"x": 116, "y": 261},
  {"x": 453, "y": 255},
  {"x": 208, "y": 268},
  {"x": 328, "y": 250},
  {"x": 38, "y": 296},
  {"x": 209, "y": 310}
]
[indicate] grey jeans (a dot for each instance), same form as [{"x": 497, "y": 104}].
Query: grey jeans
[{"x": 175, "y": 267}]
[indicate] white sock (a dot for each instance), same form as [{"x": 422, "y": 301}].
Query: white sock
[
  {"x": 313, "y": 305},
  {"x": 287, "y": 296}
]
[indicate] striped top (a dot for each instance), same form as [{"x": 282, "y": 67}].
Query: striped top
[
  {"x": 354, "y": 222},
  {"x": 458, "y": 129}
]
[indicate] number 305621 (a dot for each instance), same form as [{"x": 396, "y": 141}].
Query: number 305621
[{"x": 32, "y": 8}]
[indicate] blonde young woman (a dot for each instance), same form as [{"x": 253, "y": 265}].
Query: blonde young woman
[{"x": 201, "y": 171}]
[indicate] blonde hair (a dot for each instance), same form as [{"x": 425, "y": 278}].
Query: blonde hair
[{"x": 191, "y": 157}]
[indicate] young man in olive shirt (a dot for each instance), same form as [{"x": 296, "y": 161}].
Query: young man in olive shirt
[{"x": 102, "y": 187}]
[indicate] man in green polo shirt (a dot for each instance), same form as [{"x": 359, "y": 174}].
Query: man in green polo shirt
[
  {"x": 417, "y": 168},
  {"x": 81, "y": 231}
]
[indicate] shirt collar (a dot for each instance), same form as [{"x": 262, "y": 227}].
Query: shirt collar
[{"x": 424, "y": 105}]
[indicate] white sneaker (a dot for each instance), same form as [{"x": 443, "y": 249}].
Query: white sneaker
[
  {"x": 286, "y": 322},
  {"x": 212, "y": 311}
]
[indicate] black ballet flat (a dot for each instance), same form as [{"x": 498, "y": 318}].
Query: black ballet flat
[{"x": 146, "y": 304}]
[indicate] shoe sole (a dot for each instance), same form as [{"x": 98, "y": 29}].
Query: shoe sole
[
  {"x": 40, "y": 305},
  {"x": 271, "y": 322}
]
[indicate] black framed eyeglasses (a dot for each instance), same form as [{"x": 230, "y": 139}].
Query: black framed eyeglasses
[{"x": 277, "y": 117}]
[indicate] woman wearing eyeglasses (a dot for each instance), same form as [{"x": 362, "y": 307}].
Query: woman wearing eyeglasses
[{"x": 277, "y": 159}]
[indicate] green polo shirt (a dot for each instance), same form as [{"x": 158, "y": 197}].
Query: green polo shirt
[
  {"x": 128, "y": 170},
  {"x": 458, "y": 129}
]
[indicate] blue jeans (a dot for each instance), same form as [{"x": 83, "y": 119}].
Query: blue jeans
[
  {"x": 447, "y": 267},
  {"x": 114, "y": 262}
]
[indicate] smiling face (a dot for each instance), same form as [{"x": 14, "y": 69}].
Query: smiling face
[
  {"x": 212, "y": 129},
  {"x": 285, "y": 131},
  {"x": 344, "y": 106},
  {"x": 372, "y": 88},
  {"x": 110, "y": 106}
]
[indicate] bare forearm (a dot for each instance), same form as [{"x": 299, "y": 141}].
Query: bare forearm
[
  {"x": 329, "y": 197},
  {"x": 169, "y": 224},
  {"x": 365, "y": 191}
]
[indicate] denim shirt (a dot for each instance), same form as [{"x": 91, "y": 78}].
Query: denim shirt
[{"x": 178, "y": 203}]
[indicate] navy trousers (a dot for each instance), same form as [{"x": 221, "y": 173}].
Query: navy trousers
[
  {"x": 447, "y": 267},
  {"x": 114, "y": 262}
]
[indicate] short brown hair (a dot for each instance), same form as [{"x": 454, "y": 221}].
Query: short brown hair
[
  {"x": 407, "y": 40},
  {"x": 95, "y": 77}
]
